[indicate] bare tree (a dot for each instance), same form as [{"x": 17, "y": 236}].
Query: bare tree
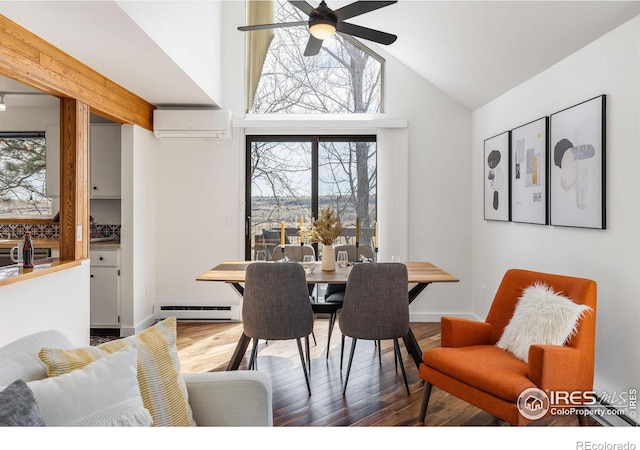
[
  {"x": 23, "y": 175},
  {"x": 343, "y": 78}
]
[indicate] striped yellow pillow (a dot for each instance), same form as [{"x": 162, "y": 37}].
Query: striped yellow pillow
[{"x": 163, "y": 390}]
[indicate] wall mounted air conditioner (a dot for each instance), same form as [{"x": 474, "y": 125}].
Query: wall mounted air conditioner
[{"x": 192, "y": 123}]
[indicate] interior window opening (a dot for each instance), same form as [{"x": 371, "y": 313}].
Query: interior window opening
[{"x": 23, "y": 187}]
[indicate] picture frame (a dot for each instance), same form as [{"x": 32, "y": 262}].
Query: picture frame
[
  {"x": 529, "y": 151},
  {"x": 497, "y": 192},
  {"x": 577, "y": 161}
]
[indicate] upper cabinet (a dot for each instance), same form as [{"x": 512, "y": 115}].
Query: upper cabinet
[
  {"x": 104, "y": 154},
  {"x": 104, "y": 160}
]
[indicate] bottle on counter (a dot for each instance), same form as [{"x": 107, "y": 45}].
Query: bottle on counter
[{"x": 27, "y": 251}]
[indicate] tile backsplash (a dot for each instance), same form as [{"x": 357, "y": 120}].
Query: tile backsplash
[
  {"x": 105, "y": 231},
  {"x": 52, "y": 231}
]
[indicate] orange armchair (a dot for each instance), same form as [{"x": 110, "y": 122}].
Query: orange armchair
[{"x": 471, "y": 367}]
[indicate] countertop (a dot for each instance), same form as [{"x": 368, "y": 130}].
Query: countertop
[{"x": 107, "y": 245}]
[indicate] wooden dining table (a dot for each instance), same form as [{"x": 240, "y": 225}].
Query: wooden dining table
[{"x": 420, "y": 275}]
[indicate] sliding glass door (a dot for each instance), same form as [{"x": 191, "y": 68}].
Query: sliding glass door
[{"x": 289, "y": 178}]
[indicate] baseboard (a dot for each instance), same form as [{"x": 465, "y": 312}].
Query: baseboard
[
  {"x": 140, "y": 326},
  {"x": 607, "y": 416}
]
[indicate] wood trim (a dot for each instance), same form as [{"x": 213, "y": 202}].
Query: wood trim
[
  {"x": 74, "y": 176},
  {"x": 31, "y": 60}
]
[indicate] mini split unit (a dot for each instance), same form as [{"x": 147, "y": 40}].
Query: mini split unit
[{"x": 192, "y": 123}]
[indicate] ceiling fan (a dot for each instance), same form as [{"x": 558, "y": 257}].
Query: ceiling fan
[{"x": 324, "y": 22}]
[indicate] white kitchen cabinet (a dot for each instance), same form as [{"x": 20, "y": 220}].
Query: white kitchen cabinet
[
  {"x": 52, "y": 158},
  {"x": 105, "y": 288},
  {"x": 104, "y": 160}
]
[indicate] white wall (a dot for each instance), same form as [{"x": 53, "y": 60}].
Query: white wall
[
  {"x": 198, "y": 218},
  {"x": 197, "y": 52},
  {"x": 439, "y": 210},
  {"x": 611, "y": 66},
  {"x": 138, "y": 243},
  {"x": 57, "y": 301},
  {"x": 27, "y": 118}
]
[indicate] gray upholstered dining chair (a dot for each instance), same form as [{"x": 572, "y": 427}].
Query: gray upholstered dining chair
[
  {"x": 376, "y": 307},
  {"x": 294, "y": 252},
  {"x": 335, "y": 292},
  {"x": 355, "y": 253},
  {"x": 276, "y": 307}
]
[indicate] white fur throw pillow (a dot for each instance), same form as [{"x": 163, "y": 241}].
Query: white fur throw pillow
[{"x": 542, "y": 316}]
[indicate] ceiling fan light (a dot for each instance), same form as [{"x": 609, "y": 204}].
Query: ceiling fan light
[{"x": 322, "y": 30}]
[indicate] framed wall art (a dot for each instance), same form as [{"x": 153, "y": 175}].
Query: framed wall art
[
  {"x": 529, "y": 151},
  {"x": 496, "y": 178},
  {"x": 577, "y": 175}
]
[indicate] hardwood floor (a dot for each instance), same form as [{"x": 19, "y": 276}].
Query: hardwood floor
[{"x": 376, "y": 395}]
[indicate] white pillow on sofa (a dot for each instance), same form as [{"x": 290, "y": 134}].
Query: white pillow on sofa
[
  {"x": 103, "y": 393},
  {"x": 542, "y": 316}
]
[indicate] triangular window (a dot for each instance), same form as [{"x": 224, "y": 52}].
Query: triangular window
[{"x": 345, "y": 77}]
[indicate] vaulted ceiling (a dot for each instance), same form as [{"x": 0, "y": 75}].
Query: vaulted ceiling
[{"x": 472, "y": 50}]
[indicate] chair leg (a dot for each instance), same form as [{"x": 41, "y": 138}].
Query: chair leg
[
  {"x": 306, "y": 343},
  {"x": 332, "y": 321},
  {"x": 425, "y": 400},
  {"x": 304, "y": 364},
  {"x": 314, "y": 338},
  {"x": 396, "y": 350},
  {"x": 378, "y": 344},
  {"x": 253, "y": 364},
  {"x": 582, "y": 420},
  {"x": 346, "y": 380},
  {"x": 395, "y": 358},
  {"x": 341, "y": 352}
]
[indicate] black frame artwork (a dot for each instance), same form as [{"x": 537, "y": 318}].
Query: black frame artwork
[
  {"x": 529, "y": 180},
  {"x": 497, "y": 192},
  {"x": 577, "y": 176}
]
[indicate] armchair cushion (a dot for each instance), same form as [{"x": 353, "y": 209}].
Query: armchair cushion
[
  {"x": 235, "y": 398},
  {"x": 486, "y": 367},
  {"x": 542, "y": 316}
]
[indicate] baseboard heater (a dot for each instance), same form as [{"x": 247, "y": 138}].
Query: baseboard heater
[{"x": 193, "y": 312}]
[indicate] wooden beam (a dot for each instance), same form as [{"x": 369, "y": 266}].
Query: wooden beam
[
  {"x": 74, "y": 180},
  {"x": 33, "y": 61}
]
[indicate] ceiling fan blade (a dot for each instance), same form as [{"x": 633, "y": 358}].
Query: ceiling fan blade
[
  {"x": 367, "y": 33},
  {"x": 361, "y": 7},
  {"x": 303, "y": 6},
  {"x": 313, "y": 46},
  {"x": 267, "y": 26}
]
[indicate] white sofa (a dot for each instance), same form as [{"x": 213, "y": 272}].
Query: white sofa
[{"x": 238, "y": 398}]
